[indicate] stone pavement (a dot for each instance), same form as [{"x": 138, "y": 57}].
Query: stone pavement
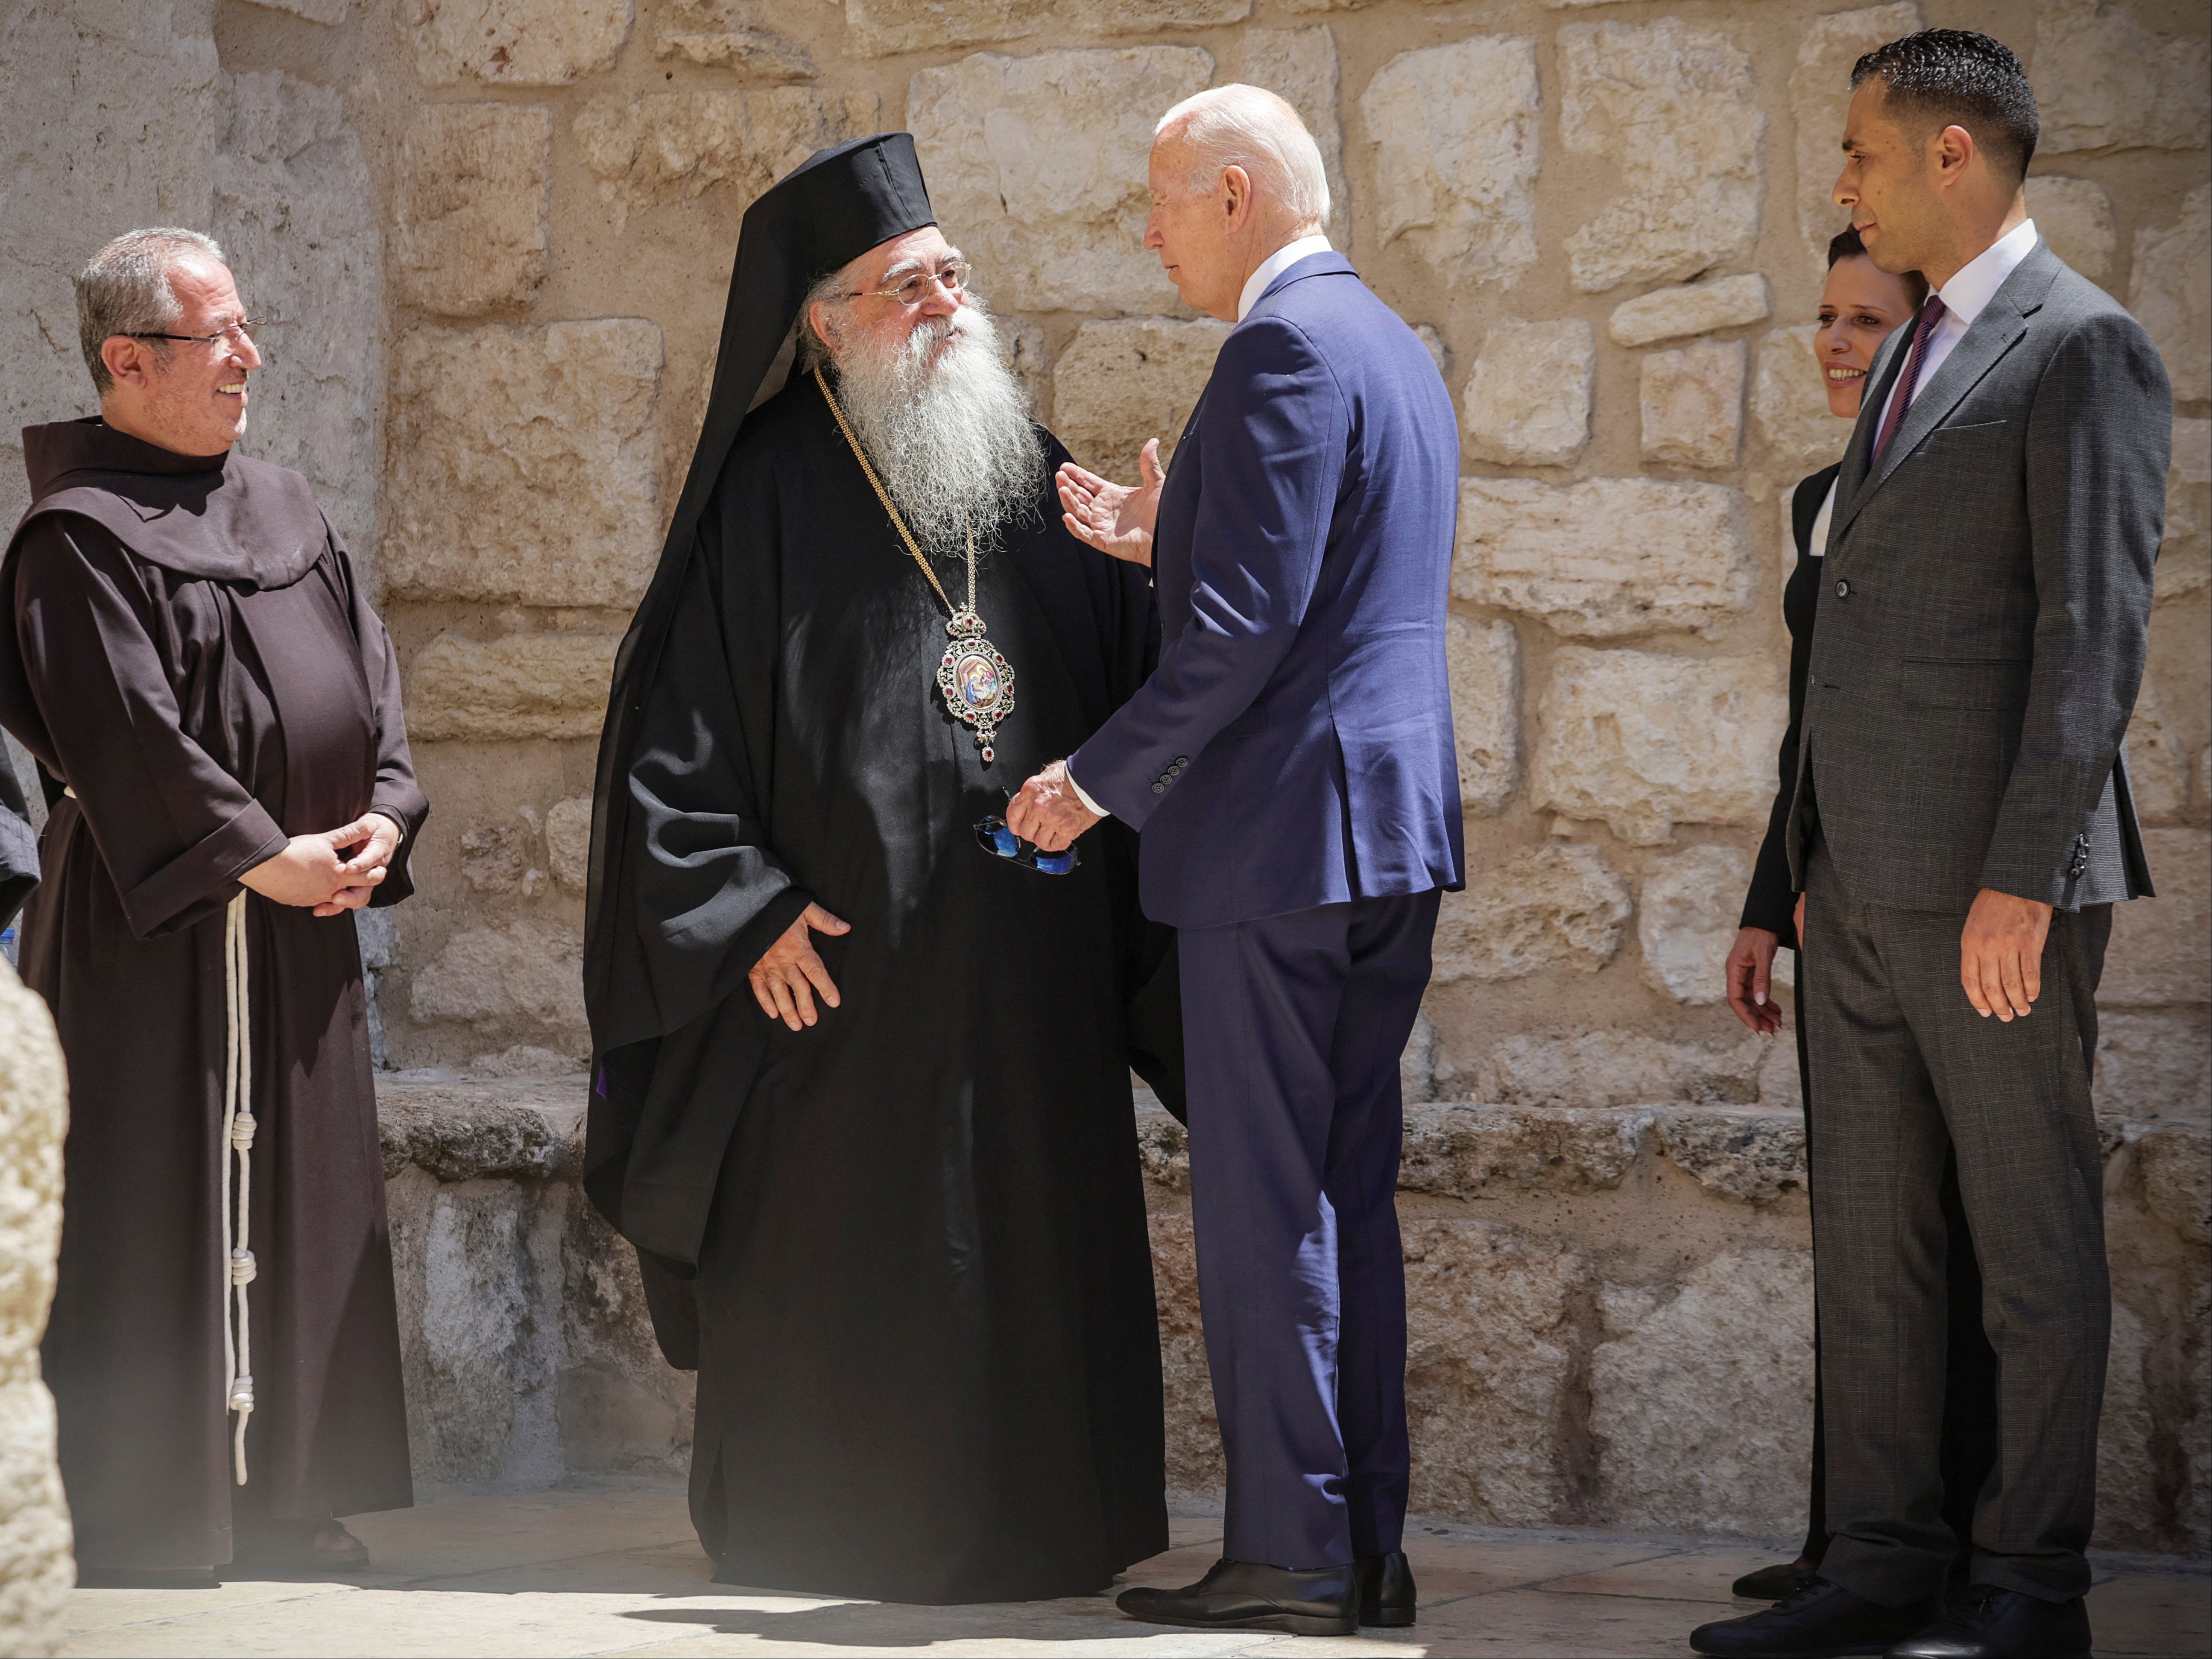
[{"x": 613, "y": 1568}]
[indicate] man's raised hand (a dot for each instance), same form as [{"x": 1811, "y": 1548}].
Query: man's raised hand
[
  {"x": 789, "y": 972},
  {"x": 1113, "y": 518}
]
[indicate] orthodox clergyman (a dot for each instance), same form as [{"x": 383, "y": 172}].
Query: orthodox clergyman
[
  {"x": 862, "y": 1097},
  {"x": 214, "y": 711}
]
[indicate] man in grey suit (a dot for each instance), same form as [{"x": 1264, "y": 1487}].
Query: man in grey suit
[{"x": 1962, "y": 829}]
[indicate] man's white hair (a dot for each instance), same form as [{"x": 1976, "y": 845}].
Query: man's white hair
[{"x": 1247, "y": 127}]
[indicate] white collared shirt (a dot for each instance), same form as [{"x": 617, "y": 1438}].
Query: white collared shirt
[
  {"x": 1965, "y": 297},
  {"x": 1273, "y": 266}
]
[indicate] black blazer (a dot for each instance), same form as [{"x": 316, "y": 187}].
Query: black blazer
[{"x": 1773, "y": 899}]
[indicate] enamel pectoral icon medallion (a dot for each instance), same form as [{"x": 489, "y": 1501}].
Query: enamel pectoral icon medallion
[{"x": 978, "y": 683}]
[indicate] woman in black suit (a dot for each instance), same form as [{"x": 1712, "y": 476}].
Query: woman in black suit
[{"x": 1858, "y": 308}]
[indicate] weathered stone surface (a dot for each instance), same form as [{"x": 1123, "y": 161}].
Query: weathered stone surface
[
  {"x": 1417, "y": 1066},
  {"x": 1439, "y": 353},
  {"x": 36, "y": 1571},
  {"x": 1618, "y": 1068},
  {"x": 1528, "y": 402},
  {"x": 1456, "y": 1151},
  {"x": 524, "y": 464},
  {"x": 1686, "y": 920},
  {"x": 1037, "y": 168},
  {"x": 515, "y": 43},
  {"x": 517, "y": 686},
  {"x": 1676, "y": 110},
  {"x": 1300, "y": 66},
  {"x": 1820, "y": 93},
  {"x": 2157, "y": 954},
  {"x": 1643, "y": 742},
  {"x": 1551, "y": 905},
  {"x": 1457, "y": 135},
  {"x": 2103, "y": 81},
  {"x": 1032, "y": 365},
  {"x": 882, "y": 28},
  {"x": 1607, "y": 558},
  {"x": 1484, "y": 660},
  {"x": 2153, "y": 1065},
  {"x": 1757, "y": 1157},
  {"x": 1195, "y": 1470},
  {"x": 526, "y": 973},
  {"x": 2170, "y": 291},
  {"x": 1790, "y": 404},
  {"x": 1669, "y": 313},
  {"x": 294, "y": 210},
  {"x": 569, "y": 841},
  {"x": 1123, "y": 381},
  {"x": 495, "y": 857},
  {"x": 2075, "y": 215},
  {"x": 2158, "y": 767},
  {"x": 622, "y": 1408},
  {"x": 732, "y": 35},
  {"x": 1163, "y": 1147},
  {"x": 1692, "y": 400},
  {"x": 315, "y": 11},
  {"x": 2176, "y": 1164},
  {"x": 671, "y": 146},
  {"x": 473, "y": 1131},
  {"x": 2127, "y": 1475},
  {"x": 2184, "y": 561},
  {"x": 469, "y": 206},
  {"x": 1701, "y": 1396}
]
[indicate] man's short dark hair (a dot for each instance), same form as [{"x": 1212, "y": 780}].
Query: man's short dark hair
[
  {"x": 1846, "y": 245},
  {"x": 1955, "y": 77}
]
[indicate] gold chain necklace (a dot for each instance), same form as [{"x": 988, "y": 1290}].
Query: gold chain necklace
[{"x": 976, "y": 683}]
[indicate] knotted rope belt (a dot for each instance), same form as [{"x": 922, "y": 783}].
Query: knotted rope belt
[{"x": 238, "y": 1126}]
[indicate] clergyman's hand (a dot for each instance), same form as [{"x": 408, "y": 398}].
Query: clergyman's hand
[
  {"x": 1113, "y": 518},
  {"x": 308, "y": 874},
  {"x": 366, "y": 846},
  {"x": 1750, "y": 973},
  {"x": 789, "y": 972},
  {"x": 2001, "y": 954},
  {"x": 1048, "y": 812}
]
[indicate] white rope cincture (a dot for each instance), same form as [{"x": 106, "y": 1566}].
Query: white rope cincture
[{"x": 238, "y": 1126}]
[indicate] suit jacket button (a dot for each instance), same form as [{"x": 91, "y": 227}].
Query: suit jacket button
[
  {"x": 1843, "y": 590},
  {"x": 1159, "y": 789},
  {"x": 1182, "y": 761}
]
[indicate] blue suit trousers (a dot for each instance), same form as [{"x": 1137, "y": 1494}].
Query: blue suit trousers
[{"x": 1296, "y": 1126}]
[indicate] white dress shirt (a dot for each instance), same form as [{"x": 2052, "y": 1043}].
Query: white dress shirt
[
  {"x": 1255, "y": 285},
  {"x": 1965, "y": 297}
]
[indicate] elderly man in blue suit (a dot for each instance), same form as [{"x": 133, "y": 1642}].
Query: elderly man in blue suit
[{"x": 1290, "y": 765}]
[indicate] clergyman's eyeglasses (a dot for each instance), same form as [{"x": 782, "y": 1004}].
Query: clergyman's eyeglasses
[
  {"x": 249, "y": 329},
  {"x": 922, "y": 285},
  {"x": 994, "y": 838}
]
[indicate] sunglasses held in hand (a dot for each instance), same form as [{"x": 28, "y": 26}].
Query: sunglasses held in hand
[{"x": 994, "y": 838}]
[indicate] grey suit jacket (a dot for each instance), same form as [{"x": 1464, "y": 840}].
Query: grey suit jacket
[{"x": 1984, "y": 612}]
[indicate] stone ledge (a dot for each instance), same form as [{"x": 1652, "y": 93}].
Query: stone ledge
[{"x": 473, "y": 1128}]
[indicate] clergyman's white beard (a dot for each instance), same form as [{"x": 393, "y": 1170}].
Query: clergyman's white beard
[{"x": 949, "y": 438}]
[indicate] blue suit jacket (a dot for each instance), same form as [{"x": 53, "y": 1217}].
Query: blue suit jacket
[{"x": 1294, "y": 747}]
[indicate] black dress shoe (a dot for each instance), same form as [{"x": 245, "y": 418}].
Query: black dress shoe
[
  {"x": 1774, "y": 1583},
  {"x": 1250, "y": 1595},
  {"x": 1820, "y": 1619},
  {"x": 1386, "y": 1590},
  {"x": 1989, "y": 1623},
  {"x": 155, "y": 1578}
]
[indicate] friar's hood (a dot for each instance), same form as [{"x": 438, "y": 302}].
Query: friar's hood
[{"x": 224, "y": 518}]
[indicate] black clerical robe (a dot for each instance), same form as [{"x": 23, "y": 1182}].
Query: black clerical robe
[
  {"x": 186, "y": 650},
  {"x": 906, "y": 1248}
]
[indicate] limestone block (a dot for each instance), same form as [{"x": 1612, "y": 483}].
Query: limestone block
[
  {"x": 1439, "y": 353},
  {"x": 1037, "y": 168},
  {"x": 2127, "y": 1475},
  {"x": 1607, "y": 558},
  {"x": 2184, "y": 560},
  {"x": 315, "y": 11},
  {"x": 2153, "y": 1063},
  {"x": 2075, "y": 215},
  {"x": 519, "y": 972},
  {"x": 1032, "y": 364},
  {"x": 1417, "y": 1066},
  {"x": 1675, "y": 109},
  {"x": 1528, "y": 402},
  {"x": 294, "y": 210},
  {"x": 1686, "y": 920},
  {"x": 2157, "y": 954},
  {"x": 1551, "y": 905},
  {"x": 470, "y": 206},
  {"x": 1163, "y": 1147},
  {"x": 2158, "y": 767},
  {"x": 1457, "y": 134},
  {"x": 1643, "y": 742},
  {"x": 1490, "y": 1349},
  {"x": 2176, "y": 1163},
  {"x": 1196, "y": 1471},
  {"x": 496, "y": 856},
  {"x": 1300, "y": 66},
  {"x": 517, "y": 686},
  {"x": 2103, "y": 81},
  {"x": 673, "y": 146},
  {"x": 1790, "y": 403},
  {"x": 732, "y": 35},
  {"x": 1458, "y": 1150},
  {"x": 36, "y": 1571},
  {"x": 2170, "y": 291},
  {"x": 1692, "y": 399},
  {"x": 622, "y": 1409},
  {"x": 1618, "y": 1068},
  {"x": 1701, "y": 1396},
  {"x": 1123, "y": 380},
  {"x": 1484, "y": 661},
  {"x": 471, "y": 1131},
  {"x": 524, "y": 464},
  {"x": 879, "y": 28},
  {"x": 515, "y": 43},
  {"x": 1669, "y": 313},
  {"x": 1756, "y": 1157},
  {"x": 569, "y": 841},
  {"x": 1820, "y": 93}
]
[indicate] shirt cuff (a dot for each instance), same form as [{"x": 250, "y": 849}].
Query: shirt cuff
[{"x": 1084, "y": 796}]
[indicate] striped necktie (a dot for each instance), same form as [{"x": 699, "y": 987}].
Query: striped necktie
[{"x": 1930, "y": 315}]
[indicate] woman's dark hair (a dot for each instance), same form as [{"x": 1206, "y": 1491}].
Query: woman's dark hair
[
  {"x": 1845, "y": 245},
  {"x": 1955, "y": 77}
]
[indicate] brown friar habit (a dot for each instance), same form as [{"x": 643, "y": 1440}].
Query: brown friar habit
[{"x": 187, "y": 651}]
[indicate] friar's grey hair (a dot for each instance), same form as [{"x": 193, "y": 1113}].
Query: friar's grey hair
[
  {"x": 124, "y": 289},
  {"x": 1249, "y": 127}
]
